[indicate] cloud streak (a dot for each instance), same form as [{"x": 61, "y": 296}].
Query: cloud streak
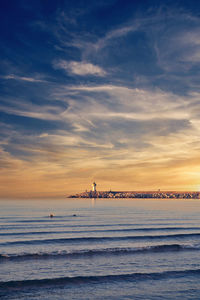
[{"x": 22, "y": 78}]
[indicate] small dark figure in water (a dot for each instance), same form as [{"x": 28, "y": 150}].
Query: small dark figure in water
[
  {"x": 74, "y": 215},
  {"x": 51, "y": 215}
]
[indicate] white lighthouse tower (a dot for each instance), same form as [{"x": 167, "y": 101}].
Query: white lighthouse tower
[{"x": 94, "y": 187}]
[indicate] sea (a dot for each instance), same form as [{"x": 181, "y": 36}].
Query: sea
[{"x": 100, "y": 249}]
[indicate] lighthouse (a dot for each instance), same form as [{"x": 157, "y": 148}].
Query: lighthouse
[{"x": 94, "y": 187}]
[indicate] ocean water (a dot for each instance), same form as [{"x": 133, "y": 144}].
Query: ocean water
[{"x": 100, "y": 249}]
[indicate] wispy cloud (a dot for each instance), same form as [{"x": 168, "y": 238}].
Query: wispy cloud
[
  {"x": 23, "y": 108},
  {"x": 130, "y": 102},
  {"x": 80, "y": 68},
  {"x": 23, "y": 78},
  {"x": 116, "y": 34},
  {"x": 176, "y": 44}
]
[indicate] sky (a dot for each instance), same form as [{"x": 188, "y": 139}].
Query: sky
[{"x": 105, "y": 90}]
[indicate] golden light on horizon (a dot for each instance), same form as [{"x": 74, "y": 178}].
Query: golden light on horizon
[{"x": 101, "y": 114}]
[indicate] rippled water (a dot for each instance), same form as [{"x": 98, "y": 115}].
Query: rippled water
[{"x": 100, "y": 249}]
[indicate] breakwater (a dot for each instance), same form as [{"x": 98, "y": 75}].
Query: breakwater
[{"x": 137, "y": 194}]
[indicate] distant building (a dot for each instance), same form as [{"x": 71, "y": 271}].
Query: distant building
[{"x": 94, "y": 187}]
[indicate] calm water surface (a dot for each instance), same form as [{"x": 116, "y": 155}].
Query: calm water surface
[{"x": 100, "y": 249}]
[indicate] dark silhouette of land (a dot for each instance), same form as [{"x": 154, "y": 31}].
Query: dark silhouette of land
[{"x": 137, "y": 194}]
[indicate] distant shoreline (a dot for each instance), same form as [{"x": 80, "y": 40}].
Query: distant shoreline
[{"x": 138, "y": 194}]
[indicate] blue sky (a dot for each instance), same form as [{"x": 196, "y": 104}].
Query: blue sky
[{"x": 99, "y": 90}]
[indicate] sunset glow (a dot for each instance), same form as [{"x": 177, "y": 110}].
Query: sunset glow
[{"x": 107, "y": 91}]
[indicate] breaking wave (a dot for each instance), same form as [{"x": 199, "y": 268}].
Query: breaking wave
[
  {"x": 103, "y": 252},
  {"x": 147, "y": 229},
  {"x": 101, "y": 239},
  {"x": 99, "y": 279}
]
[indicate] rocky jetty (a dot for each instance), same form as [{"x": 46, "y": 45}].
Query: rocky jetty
[{"x": 138, "y": 194}]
